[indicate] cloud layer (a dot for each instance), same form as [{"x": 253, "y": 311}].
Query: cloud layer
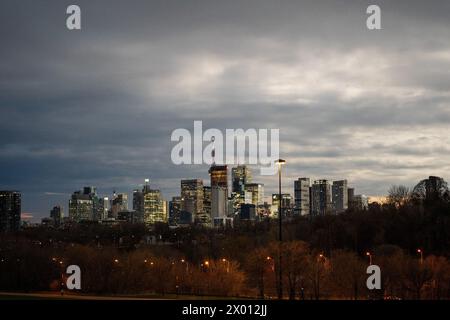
[{"x": 97, "y": 106}]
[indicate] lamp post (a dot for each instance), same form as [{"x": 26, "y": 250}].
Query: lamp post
[
  {"x": 280, "y": 162},
  {"x": 370, "y": 257},
  {"x": 228, "y": 264},
  {"x": 420, "y": 251}
]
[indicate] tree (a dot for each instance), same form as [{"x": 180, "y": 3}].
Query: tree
[
  {"x": 398, "y": 196},
  {"x": 347, "y": 273}
]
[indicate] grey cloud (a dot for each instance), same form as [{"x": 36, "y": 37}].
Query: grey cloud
[{"x": 98, "y": 106}]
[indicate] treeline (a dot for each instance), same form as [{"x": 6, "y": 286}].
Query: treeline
[{"x": 323, "y": 258}]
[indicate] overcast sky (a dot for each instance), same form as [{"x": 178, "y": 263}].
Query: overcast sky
[{"x": 98, "y": 106}]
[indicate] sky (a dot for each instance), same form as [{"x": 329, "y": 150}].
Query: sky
[{"x": 97, "y": 106}]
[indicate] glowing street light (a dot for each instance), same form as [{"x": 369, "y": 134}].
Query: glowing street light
[
  {"x": 420, "y": 251},
  {"x": 272, "y": 266},
  {"x": 370, "y": 257},
  {"x": 228, "y": 264}
]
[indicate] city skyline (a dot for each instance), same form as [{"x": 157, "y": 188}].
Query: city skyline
[
  {"x": 97, "y": 106},
  {"x": 267, "y": 198}
]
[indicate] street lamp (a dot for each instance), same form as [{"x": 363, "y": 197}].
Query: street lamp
[
  {"x": 420, "y": 251},
  {"x": 272, "y": 265},
  {"x": 280, "y": 162},
  {"x": 370, "y": 257},
  {"x": 228, "y": 264}
]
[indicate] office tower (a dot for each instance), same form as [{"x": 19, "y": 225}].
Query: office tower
[
  {"x": 84, "y": 205},
  {"x": 174, "y": 210},
  {"x": 10, "y": 210},
  {"x": 138, "y": 201},
  {"x": 360, "y": 202},
  {"x": 119, "y": 203},
  {"x": 340, "y": 196},
  {"x": 257, "y": 192},
  {"x": 155, "y": 208},
  {"x": 205, "y": 218},
  {"x": 192, "y": 196},
  {"x": 302, "y": 196},
  {"x": 56, "y": 216},
  {"x": 219, "y": 193},
  {"x": 286, "y": 204},
  {"x": 321, "y": 198},
  {"x": 207, "y": 200},
  {"x": 105, "y": 206},
  {"x": 240, "y": 176},
  {"x": 219, "y": 176},
  {"x": 218, "y": 202},
  {"x": 350, "y": 195}
]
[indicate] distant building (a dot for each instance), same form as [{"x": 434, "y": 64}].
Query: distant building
[
  {"x": 360, "y": 202},
  {"x": 247, "y": 212},
  {"x": 286, "y": 204},
  {"x": 119, "y": 203},
  {"x": 340, "y": 196},
  {"x": 192, "y": 196},
  {"x": 256, "y": 192},
  {"x": 81, "y": 205},
  {"x": 321, "y": 202},
  {"x": 186, "y": 219},
  {"x": 302, "y": 196},
  {"x": 10, "y": 210},
  {"x": 219, "y": 176},
  {"x": 155, "y": 208},
  {"x": 128, "y": 216},
  {"x": 138, "y": 202},
  {"x": 223, "y": 222},
  {"x": 351, "y": 194},
  {"x": 56, "y": 216},
  {"x": 240, "y": 176},
  {"x": 219, "y": 201},
  {"x": 207, "y": 200},
  {"x": 174, "y": 210}
]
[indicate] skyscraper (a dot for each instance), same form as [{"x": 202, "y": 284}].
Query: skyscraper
[
  {"x": 240, "y": 176},
  {"x": 321, "y": 198},
  {"x": 360, "y": 202},
  {"x": 218, "y": 202},
  {"x": 219, "y": 193},
  {"x": 119, "y": 203},
  {"x": 286, "y": 204},
  {"x": 138, "y": 203},
  {"x": 302, "y": 196},
  {"x": 56, "y": 215},
  {"x": 219, "y": 176},
  {"x": 192, "y": 196},
  {"x": 10, "y": 210},
  {"x": 174, "y": 210},
  {"x": 155, "y": 208},
  {"x": 207, "y": 200},
  {"x": 340, "y": 196},
  {"x": 83, "y": 205},
  {"x": 257, "y": 193}
]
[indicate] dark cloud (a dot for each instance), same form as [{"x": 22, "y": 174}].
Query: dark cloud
[{"x": 97, "y": 106}]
